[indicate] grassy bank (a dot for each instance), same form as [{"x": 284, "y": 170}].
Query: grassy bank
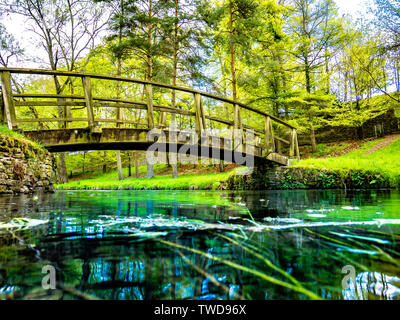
[
  {"x": 186, "y": 181},
  {"x": 383, "y": 162},
  {"x": 7, "y": 133}
]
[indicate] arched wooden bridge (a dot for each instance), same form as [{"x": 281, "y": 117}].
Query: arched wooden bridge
[{"x": 98, "y": 131}]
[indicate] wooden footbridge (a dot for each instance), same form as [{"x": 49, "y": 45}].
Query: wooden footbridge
[{"x": 89, "y": 122}]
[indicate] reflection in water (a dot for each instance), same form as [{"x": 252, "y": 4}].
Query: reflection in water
[
  {"x": 202, "y": 245},
  {"x": 367, "y": 284}
]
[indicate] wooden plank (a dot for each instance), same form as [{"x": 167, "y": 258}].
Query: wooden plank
[
  {"x": 198, "y": 114},
  {"x": 2, "y": 111},
  {"x": 67, "y": 114},
  {"x": 292, "y": 143},
  {"x": 162, "y": 85},
  {"x": 282, "y": 140},
  {"x": 47, "y": 95},
  {"x": 51, "y": 119},
  {"x": 202, "y": 114},
  {"x": 269, "y": 139},
  {"x": 48, "y": 103},
  {"x": 296, "y": 144},
  {"x": 236, "y": 116},
  {"x": 122, "y": 121},
  {"x": 119, "y": 123},
  {"x": 76, "y": 120},
  {"x": 150, "y": 110},
  {"x": 9, "y": 107},
  {"x": 87, "y": 87}
]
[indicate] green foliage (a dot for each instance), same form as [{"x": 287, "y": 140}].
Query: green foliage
[
  {"x": 326, "y": 180},
  {"x": 290, "y": 182}
]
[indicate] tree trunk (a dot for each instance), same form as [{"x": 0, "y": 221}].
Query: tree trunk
[
  {"x": 174, "y": 76},
  {"x": 119, "y": 110},
  {"x": 150, "y": 167},
  {"x": 104, "y": 164},
  {"x": 136, "y": 164},
  {"x": 129, "y": 165},
  {"x": 62, "y": 172},
  {"x": 308, "y": 88},
  {"x": 119, "y": 165},
  {"x": 232, "y": 51}
]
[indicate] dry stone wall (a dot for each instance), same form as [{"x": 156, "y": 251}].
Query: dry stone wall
[{"x": 24, "y": 167}]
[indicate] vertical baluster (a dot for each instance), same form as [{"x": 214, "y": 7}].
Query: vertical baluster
[
  {"x": 2, "y": 111},
  {"x": 9, "y": 107},
  {"x": 87, "y": 87},
  {"x": 68, "y": 115},
  {"x": 269, "y": 140},
  {"x": 150, "y": 111},
  {"x": 203, "y": 115},
  {"x": 150, "y": 123},
  {"x": 65, "y": 111},
  {"x": 120, "y": 116},
  {"x": 237, "y": 127},
  {"x": 200, "y": 118},
  {"x": 296, "y": 144},
  {"x": 292, "y": 143}
]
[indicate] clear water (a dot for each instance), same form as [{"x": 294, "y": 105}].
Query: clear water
[{"x": 202, "y": 245}]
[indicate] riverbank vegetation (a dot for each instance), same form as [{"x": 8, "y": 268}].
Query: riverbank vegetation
[
  {"x": 300, "y": 61},
  {"x": 207, "y": 181},
  {"x": 6, "y": 133},
  {"x": 369, "y": 164}
]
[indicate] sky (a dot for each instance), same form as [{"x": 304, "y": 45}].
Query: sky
[{"x": 356, "y": 8}]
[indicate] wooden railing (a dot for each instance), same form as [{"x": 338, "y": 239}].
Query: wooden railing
[{"x": 271, "y": 142}]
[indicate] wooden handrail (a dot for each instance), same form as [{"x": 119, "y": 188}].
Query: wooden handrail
[{"x": 139, "y": 81}]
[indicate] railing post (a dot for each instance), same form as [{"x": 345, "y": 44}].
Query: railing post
[
  {"x": 87, "y": 88},
  {"x": 237, "y": 120},
  {"x": 237, "y": 127},
  {"x": 65, "y": 110},
  {"x": 67, "y": 115},
  {"x": 119, "y": 116},
  {"x": 294, "y": 145},
  {"x": 269, "y": 140},
  {"x": 150, "y": 123},
  {"x": 9, "y": 107},
  {"x": 150, "y": 113},
  {"x": 2, "y": 113},
  {"x": 200, "y": 116}
]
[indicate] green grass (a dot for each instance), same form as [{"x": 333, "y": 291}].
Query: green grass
[
  {"x": 5, "y": 131},
  {"x": 384, "y": 161},
  {"x": 166, "y": 182},
  {"x": 323, "y": 149}
]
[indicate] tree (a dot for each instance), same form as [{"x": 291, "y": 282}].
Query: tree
[
  {"x": 66, "y": 30},
  {"x": 9, "y": 47},
  {"x": 314, "y": 29}
]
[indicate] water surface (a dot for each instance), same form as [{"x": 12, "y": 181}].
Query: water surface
[{"x": 202, "y": 245}]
